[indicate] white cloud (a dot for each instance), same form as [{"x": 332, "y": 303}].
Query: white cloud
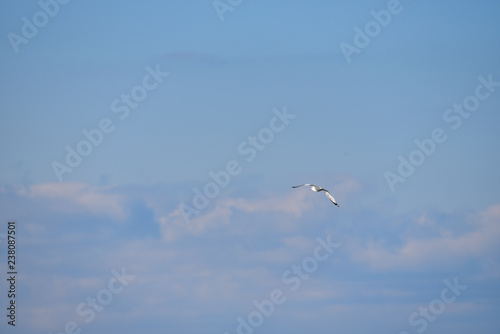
[
  {"x": 72, "y": 197},
  {"x": 173, "y": 224},
  {"x": 291, "y": 206},
  {"x": 446, "y": 249}
]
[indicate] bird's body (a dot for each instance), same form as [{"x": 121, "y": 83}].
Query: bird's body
[{"x": 318, "y": 189}]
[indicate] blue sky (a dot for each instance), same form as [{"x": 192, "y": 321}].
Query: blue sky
[{"x": 266, "y": 99}]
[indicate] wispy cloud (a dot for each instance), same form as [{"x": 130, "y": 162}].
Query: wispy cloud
[
  {"x": 289, "y": 208},
  {"x": 75, "y": 197},
  {"x": 446, "y": 249}
]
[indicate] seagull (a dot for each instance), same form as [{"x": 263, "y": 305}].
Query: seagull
[{"x": 318, "y": 189}]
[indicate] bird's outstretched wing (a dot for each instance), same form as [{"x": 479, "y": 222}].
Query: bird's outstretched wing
[
  {"x": 306, "y": 184},
  {"x": 330, "y": 197}
]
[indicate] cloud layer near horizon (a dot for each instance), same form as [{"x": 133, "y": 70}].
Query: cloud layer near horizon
[{"x": 236, "y": 251}]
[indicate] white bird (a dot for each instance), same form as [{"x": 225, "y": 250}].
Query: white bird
[{"x": 318, "y": 189}]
